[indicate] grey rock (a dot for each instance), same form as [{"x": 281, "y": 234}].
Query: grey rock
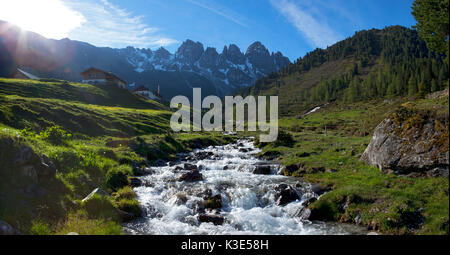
[
  {"x": 319, "y": 189},
  {"x": 309, "y": 201},
  {"x": 192, "y": 176},
  {"x": 358, "y": 219},
  {"x": 159, "y": 162},
  {"x": 402, "y": 149},
  {"x": 25, "y": 155},
  {"x": 190, "y": 167},
  {"x": 262, "y": 170},
  {"x": 6, "y": 229},
  {"x": 215, "y": 219},
  {"x": 181, "y": 198},
  {"x": 285, "y": 194},
  {"x": 29, "y": 172},
  {"x": 303, "y": 213}
]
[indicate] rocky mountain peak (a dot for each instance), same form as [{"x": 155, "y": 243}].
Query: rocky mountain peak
[
  {"x": 235, "y": 55},
  {"x": 190, "y": 51},
  {"x": 280, "y": 60},
  {"x": 257, "y": 48},
  {"x": 260, "y": 58},
  {"x": 209, "y": 58},
  {"x": 162, "y": 53}
]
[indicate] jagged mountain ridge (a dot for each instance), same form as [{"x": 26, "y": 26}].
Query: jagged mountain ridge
[
  {"x": 176, "y": 73},
  {"x": 229, "y": 69}
]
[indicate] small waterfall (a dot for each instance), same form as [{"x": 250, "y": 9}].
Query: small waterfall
[{"x": 237, "y": 194}]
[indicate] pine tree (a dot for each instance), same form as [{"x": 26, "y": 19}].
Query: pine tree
[
  {"x": 434, "y": 86},
  {"x": 412, "y": 86},
  {"x": 422, "y": 91}
]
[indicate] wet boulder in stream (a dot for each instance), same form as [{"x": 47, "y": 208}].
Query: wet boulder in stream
[
  {"x": 189, "y": 167},
  {"x": 215, "y": 219},
  {"x": 192, "y": 176},
  {"x": 285, "y": 194},
  {"x": 159, "y": 163},
  {"x": 262, "y": 170}
]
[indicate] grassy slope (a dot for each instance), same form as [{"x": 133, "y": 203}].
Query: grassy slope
[
  {"x": 382, "y": 200},
  {"x": 105, "y": 123},
  {"x": 291, "y": 85}
]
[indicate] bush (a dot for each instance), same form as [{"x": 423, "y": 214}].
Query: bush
[
  {"x": 125, "y": 192},
  {"x": 55, "y": 135},
  {"x": 40, "y": 228},
  {"x": 284, "y": 139},
  {"x": 99, "y": 206},
  {"x": 130, "y": 206},
  {"x": 116, "y": 178}
]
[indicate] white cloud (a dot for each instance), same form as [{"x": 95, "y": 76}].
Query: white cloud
[
  {"x": 222, "y": 11},
  {"x": 109, "y": 25},
  {"x": 316, "y": 31}
]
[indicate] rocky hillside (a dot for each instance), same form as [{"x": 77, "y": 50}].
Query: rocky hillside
[{"x": 191, "y": 65}]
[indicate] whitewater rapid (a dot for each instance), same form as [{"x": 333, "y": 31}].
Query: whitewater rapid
[{"x": 249, "y": 202}]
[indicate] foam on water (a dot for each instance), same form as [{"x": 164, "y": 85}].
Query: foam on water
[{"x": 249, "y": 205}]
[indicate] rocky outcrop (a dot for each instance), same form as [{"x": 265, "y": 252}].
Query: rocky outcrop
[
  {"x": 411, "y": 141},
  {"x": 6, "y": 229}
]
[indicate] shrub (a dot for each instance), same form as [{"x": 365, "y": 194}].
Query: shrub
[
  {"x": 99, "y": 206},
  {"x": 55, "y": 135},
  {"x": 116, "y": 178},
  {"x": 125, "y": 192},
  {"x": 130, "y": 206},
  {"x": 40, "y": 228},
  {"x": 284, "y": 139}
]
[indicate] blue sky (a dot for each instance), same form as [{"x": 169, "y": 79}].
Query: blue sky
[{"x": 293, "y": 27}]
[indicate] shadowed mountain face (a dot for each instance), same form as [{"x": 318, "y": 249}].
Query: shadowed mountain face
[{"x": 190, "y": 66}]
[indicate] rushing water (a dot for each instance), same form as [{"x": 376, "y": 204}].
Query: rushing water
[{"x": 249, "y": 201}]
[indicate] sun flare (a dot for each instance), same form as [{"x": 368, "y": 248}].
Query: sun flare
[{"x": 50, "y": 18}]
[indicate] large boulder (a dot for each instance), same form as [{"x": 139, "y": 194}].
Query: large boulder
[{"x": 411, "y": 141}]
